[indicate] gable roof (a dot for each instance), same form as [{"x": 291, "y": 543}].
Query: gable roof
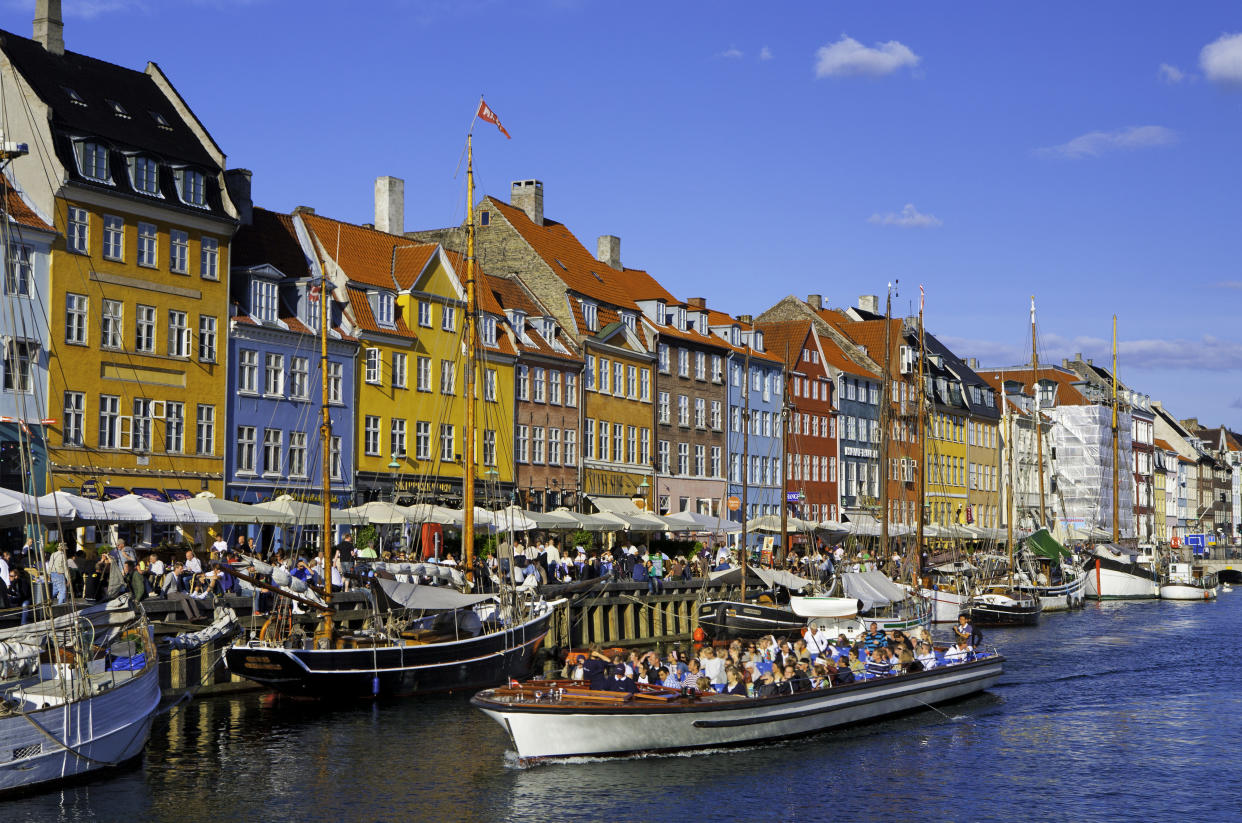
[
  {"x": 508, "y": 293},
  {"x": 716, "y": 319},
  {"x": 786, "y": 339},
  {"x": 1067, "y": 393},
  {"x": 367, "y": 256},
  {"x": 269, "y": 238},
  {"x": 19, "y": 211}
]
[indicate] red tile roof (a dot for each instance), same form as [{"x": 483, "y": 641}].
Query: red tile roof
[
  {"x": 1067, "y": 393},
  {"x": 509, "y": 294},
  {"x": 719, "y": 318},
  {"x": 367, "y": 256},
  {"x": 1164, "y": 445},
  {"x": 786, "y": 339},
  {"x": 19, "y": 210},
  {"x": 365, "y": 320}
]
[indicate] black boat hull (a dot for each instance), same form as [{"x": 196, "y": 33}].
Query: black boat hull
[
  {"x": 726, "y": 619},
  {"x": 990, "y": 616},
  {"x": 394, "y": 671}
]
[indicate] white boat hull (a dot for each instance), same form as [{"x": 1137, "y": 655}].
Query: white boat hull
[
  {"x": 946, "y": 605},
  {"x": 97, "y": 732},
  {"x": 1184, "y": 591},
  {"x": 1110, "y": 584},
  {"x": 539, "y": 733},
  {"x": 1060, "y": 598}
]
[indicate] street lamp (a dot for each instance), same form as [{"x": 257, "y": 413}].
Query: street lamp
[{"x": 643, "y": 489}]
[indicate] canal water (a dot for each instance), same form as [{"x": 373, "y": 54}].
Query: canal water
[{"x": 1122, "y": 710}]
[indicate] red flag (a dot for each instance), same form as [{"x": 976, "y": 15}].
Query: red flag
[
  {"x": 485, "y": 113},
  {"x": 314, "y": 294}
]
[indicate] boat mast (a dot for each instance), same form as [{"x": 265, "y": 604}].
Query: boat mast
[
  {"x": 886, "y": 388},
  {"x": 467, "y": 469},
  {"x": 1006, "y": 413},
  {"x": 920, "y": 468},
  {"x": 785, "y": 451},
  {"x": 325, "y": 445},
  {"x": 1117, "y": 525},
  {"x": 1039, "y": 440},
  {"x": 746, "y": 464}
]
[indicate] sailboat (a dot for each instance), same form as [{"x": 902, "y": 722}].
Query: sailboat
[{"x": 422, "y": 638}]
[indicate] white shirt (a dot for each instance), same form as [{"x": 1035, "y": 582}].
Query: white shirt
[
  {"x": 554, "y": 556},
  {"x": 928, "y": 660},
  {"x": 817, "y": 642},
  {"x": 956, "y": 654},
  {"x": 193, "y": 564},
  {"x": 157, "y": 568},
  {"x": 220, "y": 547},
  {"x": 714, "y": 668}
]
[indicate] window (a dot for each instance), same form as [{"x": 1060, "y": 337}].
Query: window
[
  {"x": 716, "y": 415},
  {"x": 539, "y": 383},
  {"x": 683, "y": 362},
  {"x": 208, "y": 258},
  {"x": 77, "y": 238},
  {"x": 140, "y": 431},
  {"x": 207, "y": 339},
  {"x": 73, "y": 432},
  {"x": 191, "y": 186},
  {"x": 489, "y": 385},
  {"x": 605, "y": 440},
  {"x": 590, "y": 316},
  {"x": 372, "y": 374},
  {"x": 245, "y": 449},
  {"x": 448, "y": 318},
  {"x": 588, "y": 440},
  {"x": 571, "y": 447},
  {"x": 489, "y": 447},
  {"x": 297, "y": 454},
  {"x": 537, "y": 444},
  {"x": 17, "y": 277},
  {"x": 605, "y": 375},
  {"x": 523, "y": 444},
  {"x": 630, "y": 382},
  {"x": 422, "y": 439},
  {"x": 396, "y": 437},
  {"x": 487, "y": 330},
  {"x": 700, "y": 468},
  {"x": 178, "y": 334},
  {"x": 274, "y": 374},
  {"x": 523, "y": 383},
  {"x": 398, "y": 370},
  {"x": 554, "y": 387},
  {"x": 554, "y": 446},
  {"x": 571, "y": 390},
  {"x": 144, "y": 328},
  {"x": 424, "y": 314},
  {"x": 447, "y": 450},
  {"x": 700, "y": 365},
  {"x": 644, "y": 385},
  {"x": 75, "y": 318},
  {"x": 145, "y": 174},
  {"x": 448, "y": 373},
  {"x": 19, "y": 356},
  {"x": 113, "y": 238},
  {"x": 662, "y": 456},
  {"x": 644, "y": 455},
  {"x": 618, "y": 435},
  {"x": 385, "y": 310},
  {"x": 663, "y": 407},
  {"x": 618, "y": 376},
  {"x": 205, "y": 430},
  {"x": 662, "y": 349},
  {"x": 263, "y": 302},
  {"x": 371, "y": 435},
  {"x": 683, "y": 458},
  {"x": 334, "y": 458},
  {"x": 174, "y": 427},
  {"x": 683, "y": 410},
  {"x": 715, "y": 465},
  {"x": 248, "y": 371},
  {"x": 700, "y": 413},
  {"x": 335, "y": 379},
  {"x": 717, "y": 368},
  {"x": 111, "y": 324},
  {"x": 273, "y": 439},
  {"x": 631, "y": 444},
  {"x": 147, "y": 245},
  {"x": 93, "y": 161},
  {"x": 590, "y": 372}
]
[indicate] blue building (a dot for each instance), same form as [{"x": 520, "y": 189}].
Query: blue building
[
  {"x": 274, "y": 407},
  {"x": 24, "y": 337},
  {"x": 757, "y": 394}
]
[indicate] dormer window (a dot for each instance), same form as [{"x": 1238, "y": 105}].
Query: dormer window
[
  {"x": 517, "y": 319},
  {"x": 757, "y": 343},
  {"x": 191, "y": 185},
  {"x": 74, "y": 96},
  {"x": 680, "y": 321},
  {"x": 661, "y": 312},
  {"x": 93, "y": 161},
  {"x": 118, "y": 109},
  {"x": 313, "y": 313},
  {"x": 161, "y": 120},
  {"x": 590, "y": 315},
  {"x": 734, "y": 337},
  {"x": 263, "y": 301},
  {"x": 145, "y": 174},
  {"x": 487, "y": 330},
  {"x": 385, "y": 310},
  {"x": 548, "y": 329},
  {"x": 630, "y": 320}
]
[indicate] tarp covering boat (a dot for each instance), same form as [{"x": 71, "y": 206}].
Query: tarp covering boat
[
  {"x": 414, "y": 596},
  {"x": 1045, "y": 545},
  {"x": 770, "y": 577},
  {"x": 811, "y": 607},
  {"x": 872, "y": 588}
]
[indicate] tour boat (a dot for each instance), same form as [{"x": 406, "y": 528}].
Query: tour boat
[
  {"x": 1180, "y": 583},
  {"x": 558, "y": 719},
  {"x": 1115, "y": 575},
  {"x": 1002, "y": 606},
  {"x": 80, "y": 691}
]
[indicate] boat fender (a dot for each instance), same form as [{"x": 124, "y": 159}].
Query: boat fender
[{"x": 699, "y": 635}]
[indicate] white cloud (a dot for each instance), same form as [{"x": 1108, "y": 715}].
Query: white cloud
[
  {"x": 1229, "y": 284},
  {"x": 1221, "y": 60},
  {"x": 1095, "y": 143},
  {"x": 1207, "y": 354},
  {"x": 1171, "y": 75},
  {"x": 908, "y": 218},
  {"x": 731, "y": 53},
  {"x": 849, "y": 57},
  {"x": 765, "y": 53}
]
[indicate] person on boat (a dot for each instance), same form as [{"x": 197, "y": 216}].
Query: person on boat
[
  {"x": 595, "y": 667},
  {"x": 821, "y": 676},
  {"x": 960, "y": 653},
  {"x": 734, "y": 683},
  {"x": 856, "y": 664},
  {"x": 714, "y": 668},
  {"x": 875, "y": 638},
  {"x": 766, "y": 687},
  {"x": 670, "y": 679},
  {"x": 926, "y": 656},
  {"x": 963, "y": 629},
  {"x": 620, "y": 681}
]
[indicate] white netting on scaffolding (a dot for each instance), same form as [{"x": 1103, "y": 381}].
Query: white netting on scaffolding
[{"x": 1082, "y": 437}]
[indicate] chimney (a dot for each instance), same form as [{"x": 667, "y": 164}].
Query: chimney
[
  {"x": 1090, "y": 362},
  {"x": 303, "y": 210},
  {"x": 746, "y": 319},
  {"x": 527, "y": 195},
  {"x": 49, "y": 26},
  {"x": 1065, "y": 362},
  {"x": 869, "y": 303},
  {"x": 607, "y": 249},
  {"x": 973, "y": 362},
  {"x": 696, "y": 302},
  {"x": 816, "y": 301},
  {"x": 237, "y": 181},
  {"x": 1078, "y": 356},
  {"x": 390, "y": 204}
]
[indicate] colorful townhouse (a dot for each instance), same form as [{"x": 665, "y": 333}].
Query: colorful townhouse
[
  {"x": 691, "y": 398},
  {"x": 135, "y": 187},
  {"x": 26, "y": 343},
  {"x": 276, "y": 378},
  {"x": 1023, "y": 438},
  {"x": 589, "y": 298},
  {"x": 547, "y": 400}
]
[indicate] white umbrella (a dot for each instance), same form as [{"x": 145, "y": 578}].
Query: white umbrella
[
  {"x": 380, "y": 512},
  {"x": 82, "y": 509},
  {"x": 430, "y": 513},
  {"x": 160, "y": 512},
  {"x": 702, "y": 522},
  {"x": 229, "y": 511},
  {"x": 26, "y": 504},
  {"x": 301, "y": 513}
]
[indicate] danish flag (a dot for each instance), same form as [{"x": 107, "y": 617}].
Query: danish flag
[
  {"x": 485, "y": 113},
  {"x": 314, "y": 294}
]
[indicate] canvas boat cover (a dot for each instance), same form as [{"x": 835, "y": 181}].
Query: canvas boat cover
[
  {"x": 770, "y": 577},
  {"x": 831, "y": 607},
  {"x": 1045, "y": 545},
  {"x": 872, "y": 588},
  {"x": 429, "y": 598}
]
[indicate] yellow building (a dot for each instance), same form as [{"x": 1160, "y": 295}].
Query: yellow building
[
  {"x": 406, "y": 306},
  {"x": 138, "y": 299},
  {"x": 945, "y": 462}
]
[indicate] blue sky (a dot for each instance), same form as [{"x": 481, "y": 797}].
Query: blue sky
[{"x": 1085, "y": 153}]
